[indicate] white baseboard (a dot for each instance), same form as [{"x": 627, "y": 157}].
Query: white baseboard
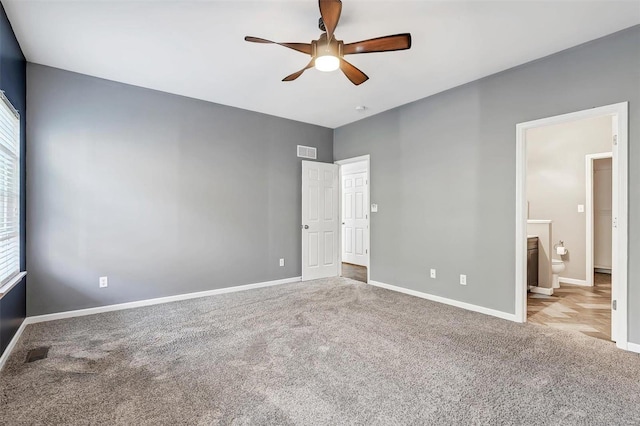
[
  {"x": 602, "y": 269},
  {"x": 541, "y": 290},
  {"x": 452, "y": 302},
  {"x": 12, "y": 344},
  {"x": 130, "y": 305},
  {"x": 574, "y": 281},
  {"x": 148, "y": 302},
  {"x": 157, "y": 301}
]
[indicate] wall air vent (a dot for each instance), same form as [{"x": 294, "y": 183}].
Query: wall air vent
[{"x": 307, "y": 152}]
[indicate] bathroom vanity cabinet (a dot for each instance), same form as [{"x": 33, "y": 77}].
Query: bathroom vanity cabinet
[{"x": 532, "y": 262}]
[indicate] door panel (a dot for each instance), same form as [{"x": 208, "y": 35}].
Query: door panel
[
  {"x": 313, "y": 203},
  {"x": 314, "y": 245},
  {"x": 348, "y": 240},
  {"x": 359, "y": 241},
  {"x": 319, "y": 220},
  {"x": 359, "y": 207},
  {"x": 329, "y": 194},
  {"x": 329, "y": 252},
  {"x": 348, "y": 205}
]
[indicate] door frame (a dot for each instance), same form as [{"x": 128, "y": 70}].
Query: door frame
[
  {"x": 589, "y": 160},
  {"x": 363, "y": 158},
  {"x": 619, "y": 286}
]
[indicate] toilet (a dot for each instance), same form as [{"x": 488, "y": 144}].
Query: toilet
[{"x": 557, "y": 266}]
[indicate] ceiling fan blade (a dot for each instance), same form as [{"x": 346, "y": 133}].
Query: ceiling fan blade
[
  {"x": 356, "y": 76},
  {"x": 330, "y": 11},
  {"x": 299, "y": 47},
  {"x": 379, "y": 44},
  {"x": 297, "y": 74}
]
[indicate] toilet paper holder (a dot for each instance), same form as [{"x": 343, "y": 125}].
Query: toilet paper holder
[{"x": 560, "y": 249}]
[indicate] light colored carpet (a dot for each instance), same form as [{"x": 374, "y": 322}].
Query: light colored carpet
[{"x": 331, "y": 351}]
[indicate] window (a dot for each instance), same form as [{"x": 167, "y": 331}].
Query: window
[{"x": 9, "y": 191}]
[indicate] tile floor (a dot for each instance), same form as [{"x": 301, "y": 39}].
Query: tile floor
[
  {"x": 355, "y": 272},
  {"x": 578, "y": 308}
]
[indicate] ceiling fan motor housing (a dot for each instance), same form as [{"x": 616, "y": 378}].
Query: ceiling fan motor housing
[{"x": 321, "y": 47}]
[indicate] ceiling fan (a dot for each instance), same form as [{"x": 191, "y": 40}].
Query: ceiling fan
[{"x": 327, "y": 53}]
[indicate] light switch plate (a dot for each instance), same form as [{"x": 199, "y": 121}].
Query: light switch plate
[
  {"x": 433, "y": 273},
  {"x": 580, "y": 208},
  {"x": 374, "y": 208},
  {"x": 463, "y": 279}
]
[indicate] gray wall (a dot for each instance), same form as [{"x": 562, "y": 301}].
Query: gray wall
[
  {"x": 443, "y": 171},
  {"x": 163, "y": 194}
]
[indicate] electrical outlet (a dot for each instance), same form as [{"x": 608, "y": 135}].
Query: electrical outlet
[
  {"x": 433, "y": 273},
  {"x": 104, "y": 282},
  {"x": 463, "y": 279},
  {"x": 282, "y": 262}
]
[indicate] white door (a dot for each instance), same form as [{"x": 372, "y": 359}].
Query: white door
[
  {"x": 319, "y": 220},
  {"x": 354, "y": 218}
]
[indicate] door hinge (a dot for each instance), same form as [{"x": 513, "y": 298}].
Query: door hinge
[
  {"x": 614, "y": 305},
  {"x": 615, "y": 139},
  {"x": 366, "y": 251},
  {"x": 366, "y": 216},
  {"x": 615, "y": 222}
]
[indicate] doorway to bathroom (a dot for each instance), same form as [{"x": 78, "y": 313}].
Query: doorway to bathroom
[
  {"x": 355, "y": 218},
  {"x": 571, "y": 234}
]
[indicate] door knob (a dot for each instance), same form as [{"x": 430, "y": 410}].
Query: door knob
[{"x": 305, "y": 226}]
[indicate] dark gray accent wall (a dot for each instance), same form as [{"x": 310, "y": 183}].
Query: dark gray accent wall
[
  {"x": 163, "y": 194},
  {"x": 443, "y": 171},
  {"x": 13, "y": 82}
]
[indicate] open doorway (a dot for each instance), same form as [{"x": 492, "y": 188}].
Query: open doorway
[
  {"x": 354, "y": 218},
  {"x": 570, "y": 284}
]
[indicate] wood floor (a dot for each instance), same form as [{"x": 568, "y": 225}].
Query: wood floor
[
  {"x": 578, "y": 308},
  {"x": 355, "y": 272}
]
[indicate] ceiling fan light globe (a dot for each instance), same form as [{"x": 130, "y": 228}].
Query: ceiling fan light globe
[{"x": 327, "y": 63}]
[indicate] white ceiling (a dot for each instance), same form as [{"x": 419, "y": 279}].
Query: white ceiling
[{"x": 196, "y": 48}]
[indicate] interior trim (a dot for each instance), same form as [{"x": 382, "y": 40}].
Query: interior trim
[
  {"x": 574, "y": 281},
  {"x": 619, "y": 284},
  {"x": 360, "y": 159},
  {"x": 541, "y": 290},
  {"x": 156, "y": 301},
  {"x": 12, "y": 283},
  {"x": 14, "y": 340},
  {"x": 446, "y": 301}
]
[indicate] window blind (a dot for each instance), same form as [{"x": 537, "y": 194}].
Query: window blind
[{"x": 9, "y": 191}]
